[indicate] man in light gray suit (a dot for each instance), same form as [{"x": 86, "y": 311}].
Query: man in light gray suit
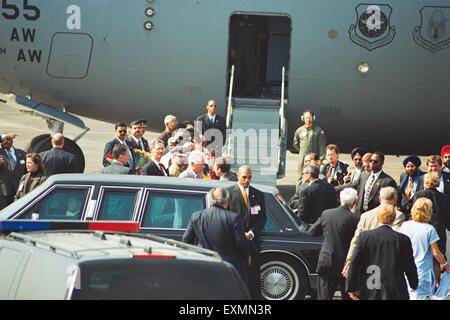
[
  {"x": 121, "y": 155},
  {"x": 196, "y": 163}
]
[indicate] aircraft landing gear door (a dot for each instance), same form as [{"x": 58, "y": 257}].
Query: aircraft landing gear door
[{"x": 259, "y": 47}]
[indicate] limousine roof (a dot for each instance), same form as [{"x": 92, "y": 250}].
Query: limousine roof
[{"x": 147, "y": 180}]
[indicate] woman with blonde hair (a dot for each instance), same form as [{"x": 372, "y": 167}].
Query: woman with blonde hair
[{"x": 424, "y": 240}]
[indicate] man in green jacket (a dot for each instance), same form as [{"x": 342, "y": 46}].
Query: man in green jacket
[{"x": 308, "y": 138}]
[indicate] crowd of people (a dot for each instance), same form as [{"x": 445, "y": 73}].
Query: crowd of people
[
  {"x": 372, "y": 227},
  {"x": 366, "y": 219}
]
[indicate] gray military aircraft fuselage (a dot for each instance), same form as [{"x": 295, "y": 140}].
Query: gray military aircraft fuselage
[{"x": 375, "y": 74}]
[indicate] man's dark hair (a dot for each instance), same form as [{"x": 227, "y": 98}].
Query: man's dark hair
[
  {"x": 222, "y": 164},
  {"x": 119, "y": 149},
  {"x": 120, "y": 124},
  {"x": 315, "y": 156},
  {"x": 136, "y": 122},
  {"x": 179, "y": 125},
  {"x": 380, "y": 154}
]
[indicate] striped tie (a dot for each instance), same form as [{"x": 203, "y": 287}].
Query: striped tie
[
  {"x": 11, "y": 159},
  {"x": 367, "y": 194}
]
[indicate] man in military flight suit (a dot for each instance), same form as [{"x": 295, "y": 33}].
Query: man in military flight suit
[{"x": 308, "y": 138}]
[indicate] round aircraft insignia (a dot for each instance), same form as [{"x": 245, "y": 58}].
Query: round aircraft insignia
[{"x": 369, "y": 30}]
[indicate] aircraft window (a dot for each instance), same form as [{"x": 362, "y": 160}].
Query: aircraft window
[
  {"x": 117, "y": 205},
  {"x": 171, "y": 210},
  {"x": 61, "y": 204}
]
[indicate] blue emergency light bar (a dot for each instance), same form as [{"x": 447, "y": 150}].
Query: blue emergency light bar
[{"x": 8, "y": 226}]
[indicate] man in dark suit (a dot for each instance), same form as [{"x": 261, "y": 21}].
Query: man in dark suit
[
  {"x": 318, "y": 196},
  {"x": 369, "y": 185},
  {"x": 120, "y": 133},
  {"x": 6, "y": 183},
  {"x": 381, "y": 259},
  {"x": 409, "y": 182},
  {"x": 222, "y": 169},
  {"x": 211, "y": 120},
  {"x": 17, "y": 159},
  {"x": 154, "y": 167},
  {"x": 121, "y": 155},
  {"x": 334, "y": 170},
  {"x": 337, "y": 227},
  {"x": 57, "y": 160},
  {"x": 220, "y": 230},
  {"x": 249, "y": 203},
  {"x": 136, "y": 138}
]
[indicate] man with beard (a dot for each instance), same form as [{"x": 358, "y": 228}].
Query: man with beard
[
  {"x": 445, "y": 154},
  {"x": 409, "y": 181}
]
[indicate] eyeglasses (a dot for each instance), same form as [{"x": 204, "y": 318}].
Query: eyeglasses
[
  {"x": 122, "y": 131},
  {"x": 373, "y": 161}
]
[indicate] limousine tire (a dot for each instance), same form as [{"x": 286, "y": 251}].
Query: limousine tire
[{"x": 283, "y": 278}]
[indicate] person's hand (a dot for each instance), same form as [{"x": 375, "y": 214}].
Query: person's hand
[
  {"x": 233, "y": 53},
  {"x": 1, "y": 160},
  {"x": 248, "y": 235},
  {"x": 447, "y": 268},
  {"x": 345, "y": 271},
  {"x": 347, "y": 178},
  {"x": 354, "y": 295}
]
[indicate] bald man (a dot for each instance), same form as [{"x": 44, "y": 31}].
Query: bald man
[
  {"x": 56, "y": 160},
  {"x": 211, "y": 120},
  {"x": 249, "y": 203}
]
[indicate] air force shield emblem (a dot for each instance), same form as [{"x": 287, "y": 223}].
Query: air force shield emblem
[
  {"x": 372, "y": 28},
  {"x": 433, "y": 33}
]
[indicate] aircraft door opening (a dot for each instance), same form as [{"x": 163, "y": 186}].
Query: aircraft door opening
[{"x": 259, "y": 46}]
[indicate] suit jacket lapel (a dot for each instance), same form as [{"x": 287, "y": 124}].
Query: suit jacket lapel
[{"x": 241, "y": 198}]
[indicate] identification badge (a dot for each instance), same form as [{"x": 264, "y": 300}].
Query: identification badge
[
  {"x": 255, "y": 210},
  {"x": 22, "y": 161},
  {"x": 21, "y": 187}
]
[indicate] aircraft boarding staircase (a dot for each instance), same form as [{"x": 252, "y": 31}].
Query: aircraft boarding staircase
[{"x": 258, "y": 135}]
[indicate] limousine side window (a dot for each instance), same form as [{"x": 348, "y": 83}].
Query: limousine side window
[
  {"x": 60, "y": 204},
  {"x": 171, "y": 210},
  {"x": 270, "y": 225},
  {"x": 117, "y": 205}
]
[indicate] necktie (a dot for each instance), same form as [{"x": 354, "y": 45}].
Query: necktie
[
  {"x": 11, "y": 159},
  {"x": 163, "y": 171},
  {"x": 367, "y": 194},
  {"x": 141, "y": 145},
  {"x": 409, "y": 188}
]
